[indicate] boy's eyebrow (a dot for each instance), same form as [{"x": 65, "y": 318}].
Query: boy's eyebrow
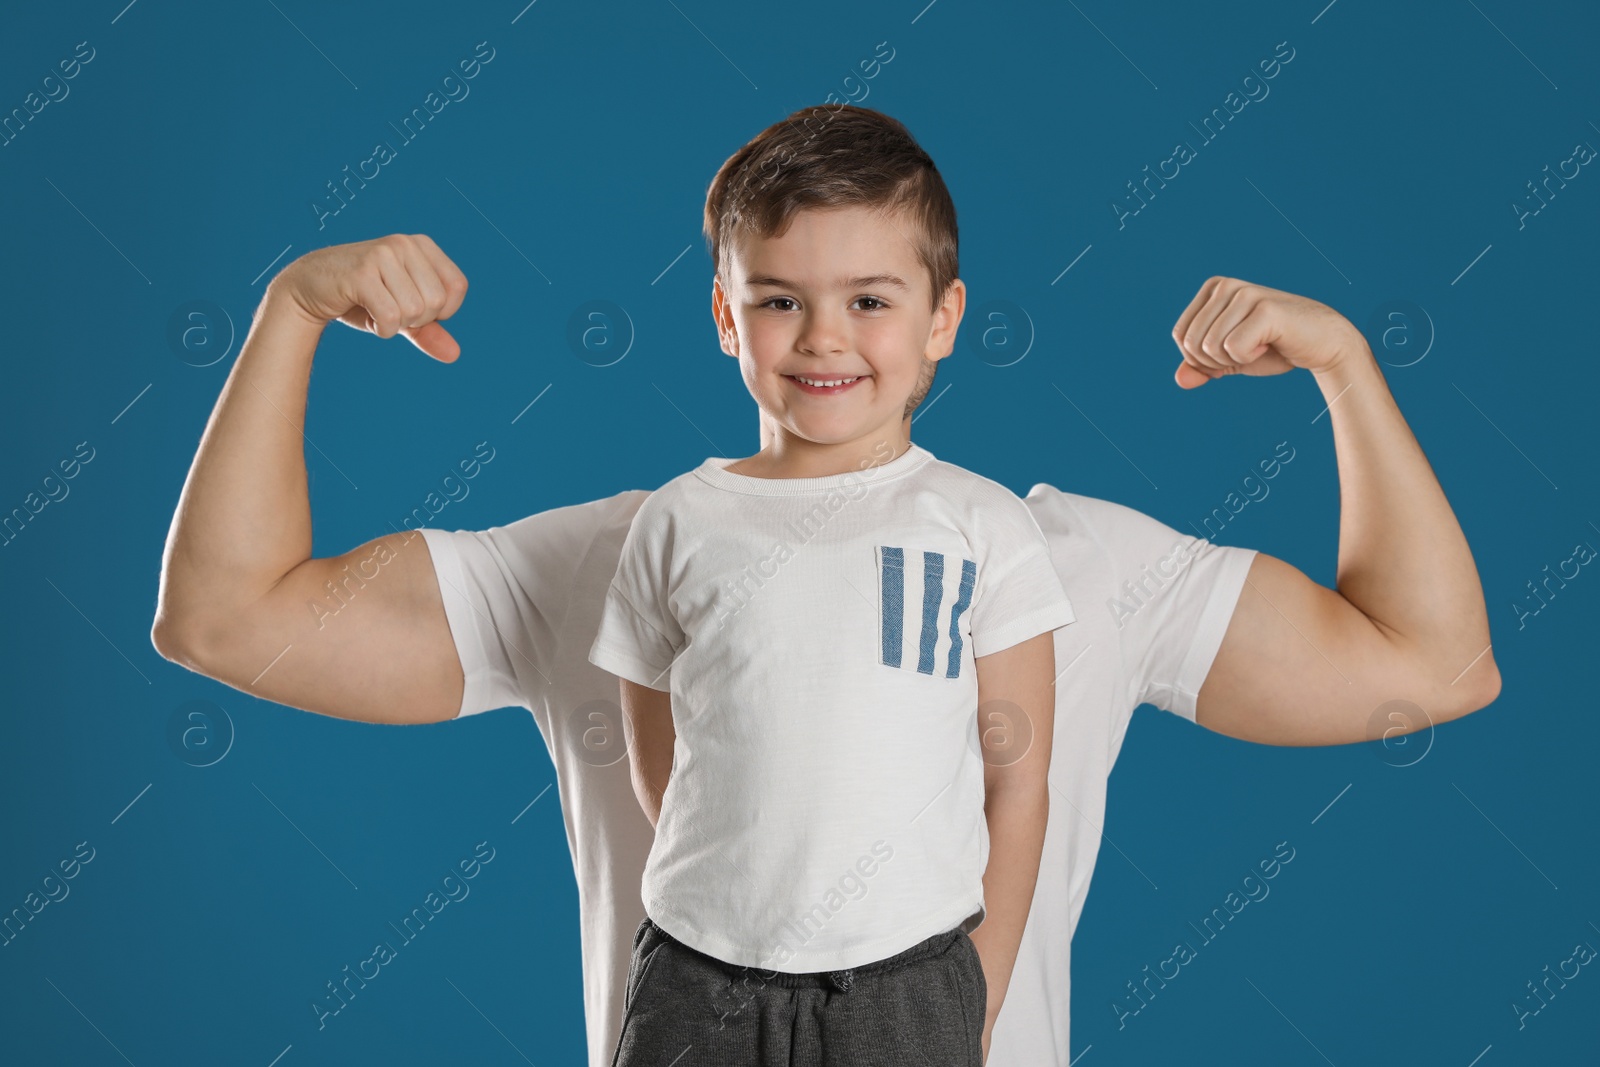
[{"x": 868, "y": 282}]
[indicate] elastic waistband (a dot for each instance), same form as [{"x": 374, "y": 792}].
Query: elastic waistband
[{"x": 839, "y": 980}]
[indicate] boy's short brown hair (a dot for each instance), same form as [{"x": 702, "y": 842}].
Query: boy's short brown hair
[{"x": 834, "y": 156}]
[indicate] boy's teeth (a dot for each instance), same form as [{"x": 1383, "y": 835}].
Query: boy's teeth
[{"x": 820, "y": 382}]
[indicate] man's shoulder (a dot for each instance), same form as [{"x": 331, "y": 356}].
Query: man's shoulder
[
  {"x": 611, "y": 516},
  {"x": 539, "y": 556},
  {"x": 1090, "y": 531},
  {"x": 618, "y": 508},
  {"x": 1062, "y": 513},
  {"x": 558, "y": 530}
]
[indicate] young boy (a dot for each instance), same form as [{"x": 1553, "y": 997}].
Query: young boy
[{"x": 808, "y": 639}]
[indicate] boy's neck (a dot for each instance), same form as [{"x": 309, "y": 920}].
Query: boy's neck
[{"x": 783, "y": 455}]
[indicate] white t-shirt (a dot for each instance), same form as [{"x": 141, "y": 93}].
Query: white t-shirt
[
  {"x": 524, "y": 601},
  {"x": 818, "y": 637}
]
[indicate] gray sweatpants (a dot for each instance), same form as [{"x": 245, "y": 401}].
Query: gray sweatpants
[{"x": 924, "y": 1007}]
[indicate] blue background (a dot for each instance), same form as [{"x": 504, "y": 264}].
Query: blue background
[{"x": 186, "y": 158}]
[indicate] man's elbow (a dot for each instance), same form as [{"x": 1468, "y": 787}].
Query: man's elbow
[
  {"x": 1477, "y": 688},
  {"x": 176, "y": 641},
  {"x": 1489, "y": 687},
  {"x": 164, "y": 637}
]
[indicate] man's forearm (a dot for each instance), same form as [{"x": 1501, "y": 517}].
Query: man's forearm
[
  {"x": 1016, "y": 813},
  {"x": 1403, "y": 559},
  {"x": 244, "y": 519}
]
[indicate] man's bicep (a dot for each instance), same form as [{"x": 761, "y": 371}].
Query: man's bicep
[
  {"x": 1300, "y": 665},
  {"x": 362, "y": 635}
]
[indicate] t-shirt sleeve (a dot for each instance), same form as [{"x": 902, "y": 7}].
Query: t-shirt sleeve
[
  {"x": 1173, "y": 595},
  {"x": 1018, "y": 593},
  {"x": 638, "y": 636},
  {"x": 505, "y": 591}
]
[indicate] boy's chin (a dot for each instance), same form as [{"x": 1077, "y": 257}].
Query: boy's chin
[{"x": 837, "y": 433}]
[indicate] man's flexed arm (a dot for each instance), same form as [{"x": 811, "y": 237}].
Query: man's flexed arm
[
  {"x": 237, "y": 580},
  {"x": 1302, "y": 664}
]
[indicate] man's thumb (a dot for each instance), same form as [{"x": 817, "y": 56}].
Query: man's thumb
[
  {"x": 1190, "y": 377},
  {"x": 435, "y": 340}
]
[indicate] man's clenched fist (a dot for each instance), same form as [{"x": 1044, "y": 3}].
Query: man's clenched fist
[
  {"x": 401, "y": 284},
  {"x": 1234, "y": 327}
]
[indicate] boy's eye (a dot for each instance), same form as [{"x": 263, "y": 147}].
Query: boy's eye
[{"x": 876, "y": 304}]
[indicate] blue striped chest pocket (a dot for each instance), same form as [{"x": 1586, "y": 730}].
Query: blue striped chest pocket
[{"x": 923, "y": 597}]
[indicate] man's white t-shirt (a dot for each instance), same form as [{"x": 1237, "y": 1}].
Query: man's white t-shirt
[
  {"x": 524, "y": 603},
  {"x": 818, "y": 637}
]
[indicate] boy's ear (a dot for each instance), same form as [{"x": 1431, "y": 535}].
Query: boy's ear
[
  {"x": 946, "y": 318},
  {"x": 722, "y": 314}
]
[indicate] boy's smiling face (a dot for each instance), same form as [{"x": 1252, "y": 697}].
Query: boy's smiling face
[{"x": 840, "y": 297}]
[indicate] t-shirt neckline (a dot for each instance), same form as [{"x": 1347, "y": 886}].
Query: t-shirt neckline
[{"x": 714, "y": 472}]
